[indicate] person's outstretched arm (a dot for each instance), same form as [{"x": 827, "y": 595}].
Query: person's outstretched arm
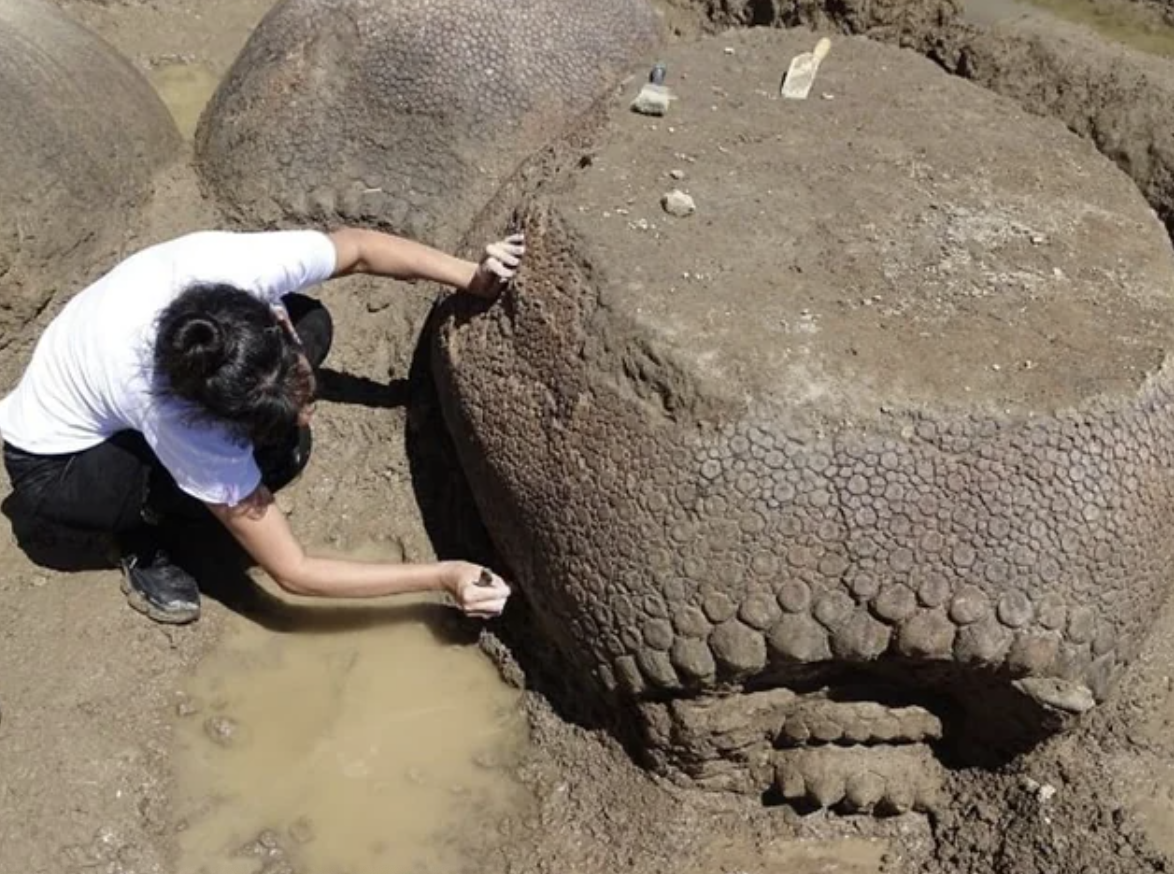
[
  {"x": 364, "y": 251},
  {"x": 261, "y": 528}
]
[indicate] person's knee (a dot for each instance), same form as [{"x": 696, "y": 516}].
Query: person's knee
[
  {"x": 281, "y": 465},
  {"x": 314, "y": 326}
]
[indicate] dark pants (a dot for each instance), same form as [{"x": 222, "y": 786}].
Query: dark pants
[{"x": 120, "y": 487}]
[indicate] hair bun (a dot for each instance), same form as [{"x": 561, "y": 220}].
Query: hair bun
[{"x": 200, "y": 341}]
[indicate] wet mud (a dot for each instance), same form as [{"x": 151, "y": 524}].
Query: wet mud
[{"x": 358, "y": 750}]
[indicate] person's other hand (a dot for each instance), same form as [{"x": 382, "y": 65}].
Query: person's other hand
[
  {"x": 478, "y": 592},
  {"x": 498, "y": 266}
]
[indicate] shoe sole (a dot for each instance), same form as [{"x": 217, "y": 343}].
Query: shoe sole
[{"x": 165, "y": 617}]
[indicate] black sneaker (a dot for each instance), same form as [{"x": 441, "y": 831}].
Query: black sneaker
[{"x": 163, "y": 591}]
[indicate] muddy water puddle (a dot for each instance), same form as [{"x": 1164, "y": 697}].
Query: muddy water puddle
[
  {"x": 344, "y": 751},
  {"x": 185, "y": 89},
  {"x": 1123, "y": 21}
]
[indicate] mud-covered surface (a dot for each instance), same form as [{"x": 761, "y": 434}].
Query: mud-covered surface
[
  {"x": 1096, "y": 800},
  {"x": 88, "y": 688},
  {"x": 1111, "y": 96},
  {"x": 82, "y": 135},
  {"x": 1144, "y": 25},
  {"x": 411, "y": 119},
  {"x": 869, "y": 245},
  {"x": 1111, "y": 56},
  {"x": 827, "y": 473}
]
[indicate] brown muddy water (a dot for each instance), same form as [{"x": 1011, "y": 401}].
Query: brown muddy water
[
  {"x": 1123, "y": 21},
  {"x": 368, "y": 751},
  {"x": 185, "y": 89},
  {"x": 1128, "y": 23}
]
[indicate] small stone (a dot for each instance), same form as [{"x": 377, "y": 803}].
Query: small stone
[
  {"x": 302, "y": 831},
  {"x": 222, "y": 731},
  {"x": 677, "y": 174},
  {"x": 267, "y": 844},
  {"x": 678, "y": 203},
  {"x": 381, "y": 298},
  {"x": 729, "y": 50},
  {"x": 415, "y": 776},
  {"x": 186, "y": 708},
  {"x": 487, "y": 761}
]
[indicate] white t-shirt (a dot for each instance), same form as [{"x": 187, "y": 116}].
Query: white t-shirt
[{"x": 91, "y": 374}]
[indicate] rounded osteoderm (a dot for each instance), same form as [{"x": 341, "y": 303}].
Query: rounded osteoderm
[
  {"x": 825, "y": 722},
  {"x": 854, "y": 780},
  {"x": 405, "y": 112},
  {"x": 893, "y": 398},
  {"x": 81, "y": 133}
]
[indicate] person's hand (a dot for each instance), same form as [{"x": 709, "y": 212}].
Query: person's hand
[
  {"x": 498, "y": 266},
  {"x": 478, "y": 592}
]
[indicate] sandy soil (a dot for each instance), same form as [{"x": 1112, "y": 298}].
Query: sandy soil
[{"x": 88, "y": 687}]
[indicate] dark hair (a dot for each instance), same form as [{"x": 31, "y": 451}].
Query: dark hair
[{"x": 225, "y": 352}]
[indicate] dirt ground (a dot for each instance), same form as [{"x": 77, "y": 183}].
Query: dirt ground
[{"x": 88, "y": 688}]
